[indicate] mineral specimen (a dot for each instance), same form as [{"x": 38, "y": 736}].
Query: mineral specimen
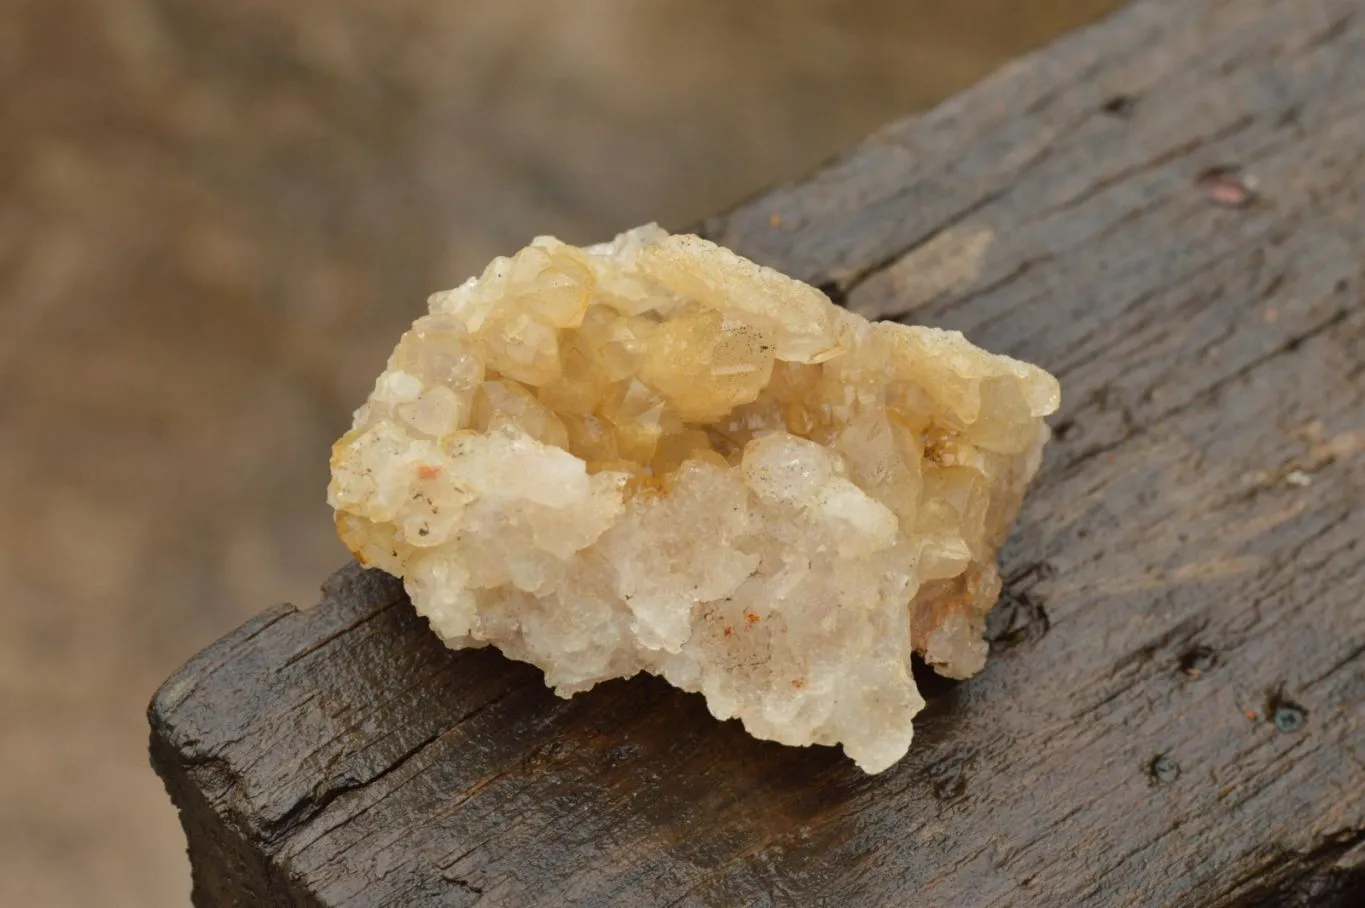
[{"x": 656, "y": 455}]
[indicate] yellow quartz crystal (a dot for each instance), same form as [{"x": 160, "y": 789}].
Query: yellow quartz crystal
[{"x": 656, "y": 455}]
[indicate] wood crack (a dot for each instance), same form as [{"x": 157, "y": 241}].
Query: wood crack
[
  {"x": 850, "y": 284},
  {"x": 343, "y": 631},
  {"x": 315, "y": 802},
  {"x": 1241, "y": 124}
]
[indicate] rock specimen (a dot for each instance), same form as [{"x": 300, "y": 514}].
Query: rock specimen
[{"x": 656, "y": 455}]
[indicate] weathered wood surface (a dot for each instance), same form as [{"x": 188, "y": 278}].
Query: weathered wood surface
[{"x": 1174, "y": 710}]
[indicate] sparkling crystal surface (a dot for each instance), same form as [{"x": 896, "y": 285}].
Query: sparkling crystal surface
[{"x": 655, "y": 455}]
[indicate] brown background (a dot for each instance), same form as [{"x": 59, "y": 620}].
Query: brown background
[{"x": 214, "y": 220}]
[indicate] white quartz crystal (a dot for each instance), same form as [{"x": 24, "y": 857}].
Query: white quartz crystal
[{"x": 656, "y": 455}]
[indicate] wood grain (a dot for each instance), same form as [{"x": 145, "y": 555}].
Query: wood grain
[{"x": 1166, "y": 211}]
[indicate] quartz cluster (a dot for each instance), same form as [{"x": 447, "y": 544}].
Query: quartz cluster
[{"x": 655, "y": 455}]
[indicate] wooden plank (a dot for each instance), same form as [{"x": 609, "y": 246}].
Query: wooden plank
[{"x": 1166, "y": 211}]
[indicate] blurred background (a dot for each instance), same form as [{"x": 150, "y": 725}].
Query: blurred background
[{"x": 216, "y": 218}]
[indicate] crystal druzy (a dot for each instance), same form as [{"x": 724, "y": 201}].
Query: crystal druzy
[{"x": 655, "y": 455}]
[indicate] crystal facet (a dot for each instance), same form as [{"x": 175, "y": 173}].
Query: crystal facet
[{"x": 656, "y": 455}]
